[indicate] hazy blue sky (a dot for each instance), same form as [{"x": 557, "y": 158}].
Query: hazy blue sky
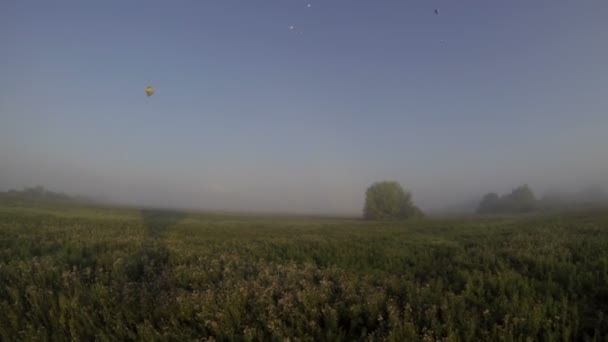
[{"x": 252, "y": 115}]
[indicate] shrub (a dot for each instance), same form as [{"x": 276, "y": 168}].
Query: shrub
[{"x": 388, "y": 201}]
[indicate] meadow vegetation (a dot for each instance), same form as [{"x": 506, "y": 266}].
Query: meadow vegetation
[{"x": 70, "y": 272}]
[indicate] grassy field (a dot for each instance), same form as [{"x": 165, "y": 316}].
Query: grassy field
[{"x": 70, "y": 272}]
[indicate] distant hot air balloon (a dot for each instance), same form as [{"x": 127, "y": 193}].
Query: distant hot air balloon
[
  {"x": 436, "y": 11},
  {"x": 149, "y": 91}
]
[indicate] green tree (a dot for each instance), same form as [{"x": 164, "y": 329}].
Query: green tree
[
  {"x": 388, "y": 201},
  {"x": 490, "y": 203},
  {"x": 520, "y": 200}
]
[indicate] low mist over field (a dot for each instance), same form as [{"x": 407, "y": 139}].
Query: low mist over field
[
  {"x": 288, "y": 106},
  {"x": 248, "y": 192}
]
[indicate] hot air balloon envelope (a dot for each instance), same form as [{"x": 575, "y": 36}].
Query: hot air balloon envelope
[{"x": 149, "y": 91}]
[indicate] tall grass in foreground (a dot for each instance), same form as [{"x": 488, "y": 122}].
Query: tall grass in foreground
[{"x": 99, "y": 274}]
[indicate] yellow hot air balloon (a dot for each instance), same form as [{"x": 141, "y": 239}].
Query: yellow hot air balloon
[{"x": 149, "y": 91}]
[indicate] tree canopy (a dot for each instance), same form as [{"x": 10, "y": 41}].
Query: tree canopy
[
  {"x": 388, "y": 201},
  {"x": 520, "y": 200}
]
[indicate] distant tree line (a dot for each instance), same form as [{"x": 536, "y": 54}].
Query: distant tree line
[
  {"x": 38, "y": 192},
  {"x": 522, "y": 200}
]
